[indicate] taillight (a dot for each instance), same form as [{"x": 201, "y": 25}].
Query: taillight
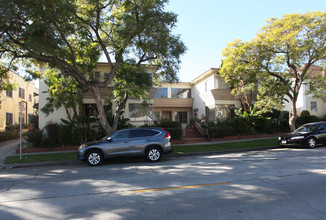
[{"x": 167, "y": 136}]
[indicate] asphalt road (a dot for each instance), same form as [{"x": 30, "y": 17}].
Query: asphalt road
[{"x": 271, "y": 184}]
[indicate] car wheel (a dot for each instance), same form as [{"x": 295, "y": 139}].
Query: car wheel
[
  {"x": 312, "y": 142},
  {"x": 153, "y": 154},
  {"x": 94, "y": 158}
]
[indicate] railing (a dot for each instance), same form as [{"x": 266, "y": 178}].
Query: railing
[{"x": 202, "y": 131}]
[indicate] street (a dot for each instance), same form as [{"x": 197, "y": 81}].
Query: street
[{"x": 273, "y": 184}]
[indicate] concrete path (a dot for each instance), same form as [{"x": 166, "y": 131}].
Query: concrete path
[{"x": 7, "y": 148}]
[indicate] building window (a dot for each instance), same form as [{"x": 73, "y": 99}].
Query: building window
[
  {"x": 314, "y": 106},
  {"x": 90, "y": 110},
  {"x": 181, "y": 117},
  {"x": 30, "y": 97},
  {"x": 97, "y": 76},
  {"x": 140, "y": 112},
  {"x": 9, "y": 119},
  {"x": 211, "y": 114},
  {"x": 106, "y": 76},
  {"x": 178, "y": 93},
  {"x": 156, "y": 116},
  {"x": 224, "y": 111},
  {"x": 162, "y": 93},
  {"x": 21, "y": 93},
  {"x": 9, "y": 93}
]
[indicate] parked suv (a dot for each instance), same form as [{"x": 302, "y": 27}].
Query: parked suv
[{"x": 149, "y": 142}]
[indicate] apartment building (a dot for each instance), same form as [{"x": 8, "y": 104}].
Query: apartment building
[
  {"x": 24, "y": 94},
  {"x": 206, "y": 97}
]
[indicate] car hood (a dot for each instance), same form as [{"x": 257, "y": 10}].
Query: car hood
[{"x": 294, "y": 134}]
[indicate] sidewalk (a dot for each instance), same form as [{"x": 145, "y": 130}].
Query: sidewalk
[
  {"x": 8, "y": 148},
  {"x": 14, "y": 144}
]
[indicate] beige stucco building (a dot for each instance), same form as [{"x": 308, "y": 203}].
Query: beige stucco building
[
  {"x": 25, "y": 93},
  {"x": 207, "y": 96}
]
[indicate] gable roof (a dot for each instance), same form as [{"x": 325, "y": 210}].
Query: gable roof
[{"x": 205, "y": 75}]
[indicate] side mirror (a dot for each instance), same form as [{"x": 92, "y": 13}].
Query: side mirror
[
  {"x": 109, "y": 139},
  {"x": 322, "y": 129}
]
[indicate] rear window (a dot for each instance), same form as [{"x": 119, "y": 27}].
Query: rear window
[{"x": 142, "y": 133}]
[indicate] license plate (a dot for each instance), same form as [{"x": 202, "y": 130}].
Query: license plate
[{"x": 283, "y": 141}]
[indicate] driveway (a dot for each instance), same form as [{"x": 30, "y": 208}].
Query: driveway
[{"x": 7, "y": 148}]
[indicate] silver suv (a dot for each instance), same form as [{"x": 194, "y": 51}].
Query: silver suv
[{"x": 149, "y": 142}]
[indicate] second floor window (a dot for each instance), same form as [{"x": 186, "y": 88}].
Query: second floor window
[
  {"x": 21, "y": 93},
  {"x": 179, "y": 93},
  {"x": 162, "y": 93},
  {"x": 314, "y": 106},
  {"x": 9, "y": 119},
  {"x": 9, "y": 94}
]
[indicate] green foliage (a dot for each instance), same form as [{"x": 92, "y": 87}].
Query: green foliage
[
  {"x": 51, "y": 135},
  {"x": 169, "y": 124},
  {"x": 35, "y": 137},
  {"x": 72, "y": 35},
  {"x": 64, "y": 91},
  {"x": 281, "y": 55},
  {"x": 5, "y": 79},
  {"x": 317, "y": 81},
  {"x": 221, "y": 131},
  {"x": 306, "y": 119},
  {"x": 173, "y": 127},
  {"x": 304, "y": 113},
  {"x": 175, "y": 132},
  {"x": 8, "y": 135},
  {"x": 79, "y": 133}
]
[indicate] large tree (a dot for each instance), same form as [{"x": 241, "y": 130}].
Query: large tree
[
  {"x": 287, "y": 48},
  {"x": 71, "y": 35},
  {"x": 254, "y": 88}
]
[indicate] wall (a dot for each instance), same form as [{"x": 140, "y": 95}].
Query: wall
[{"x": 11, "y": 104}]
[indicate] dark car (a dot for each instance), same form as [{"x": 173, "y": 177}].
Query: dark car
[
  {"x": 309, "y": 135},
  {"x": 149, "y": 142}
]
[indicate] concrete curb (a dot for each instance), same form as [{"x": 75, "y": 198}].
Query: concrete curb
[{"x": 74, "y": 162}]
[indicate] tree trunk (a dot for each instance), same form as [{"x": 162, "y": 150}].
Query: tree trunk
[
  {"x": 293, "y": 114},
  {"x": 101, "y": 113},
  {"x": 118, "y": 110}
]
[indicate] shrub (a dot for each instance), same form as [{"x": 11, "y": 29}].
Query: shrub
[
  {"x": 170, "y": 124},
  {"x": 304, "y": 113},
  {"x": 176, "y": 133},
  {"x": 173, "y": 127},
  {"x": 35, "y": 137},
  {"x": 52, "y": 131},
  {"x": 221, "y": 131},
  {"x": 66, "y": 136},
  {"x": 8, "y": 135},
  {"x": 306, "y": 119}
]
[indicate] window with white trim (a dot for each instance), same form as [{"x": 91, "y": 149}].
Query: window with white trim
[{"x": 314, "y": 106}]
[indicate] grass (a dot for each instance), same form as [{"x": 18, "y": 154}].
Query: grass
[
  {"x": 225, "y": 146},
  {"x": 176, "y": 150}
]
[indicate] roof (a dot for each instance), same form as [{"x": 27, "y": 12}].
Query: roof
[{"x": 205, "y": 75}]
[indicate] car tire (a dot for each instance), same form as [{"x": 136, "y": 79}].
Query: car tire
[
  {"x": 94, "y": 158},
  {"x": 153, "y": 154},
  {"x": 312, "y": 142}
]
